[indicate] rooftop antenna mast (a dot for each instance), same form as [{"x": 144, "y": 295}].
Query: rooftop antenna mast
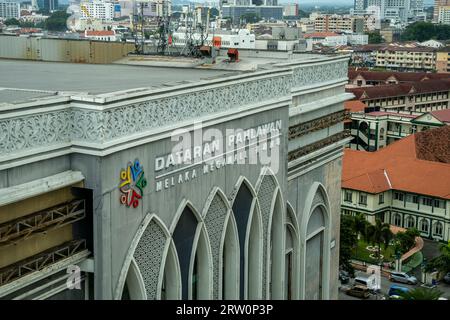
[
  {"x": 138, "y": 26},
  {"x": 164, "y": 29},
  {"x": 194, "y": 33}
]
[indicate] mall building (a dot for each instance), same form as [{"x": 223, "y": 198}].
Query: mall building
[{"x": 132, "y": 182}]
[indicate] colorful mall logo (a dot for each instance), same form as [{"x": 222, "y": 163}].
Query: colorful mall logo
[{"x": 132, "y": 184}]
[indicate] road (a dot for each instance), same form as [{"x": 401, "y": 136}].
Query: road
[{"x": 385, "y": 285}]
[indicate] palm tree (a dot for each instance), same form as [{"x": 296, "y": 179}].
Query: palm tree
[
  {"x": 378, "y": 234},
  {"x": 421, "y": 294},
  {"x": 359, "y": 226},
  {"x": 441, "y": 262},
  {"x": 445, "y": 249}
]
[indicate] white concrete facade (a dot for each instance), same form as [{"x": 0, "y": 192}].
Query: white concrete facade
[
  {"x": 9, "y": 9},
  {"x": 444, "y": 15},
  {"x": 426, "y": 214},
  {"x": 97, "y": 9},
  {"x": 238, "y": 231},
  {"x": 241, "y": 39}
]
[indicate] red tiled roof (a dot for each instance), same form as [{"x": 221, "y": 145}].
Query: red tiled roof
[
  {"x": 442, "y": 115},
  {"x": 419, "y": 163},
  {"x": 432, "y": 85},
  {"x": 400, "y": 76},
  {"x": 354, "y": 106},
  {"x": 102, "y": 33},
  {"x": 384, "y": 113},
  {"x": 30, "y": 30},
  {"x": 368, "y": 47},
  {"x": 401, "y": 89},
  {"x": 434, "y": 145},
  {"x": 378, "y": 91},
  {"x": 408, "y": 49},
  {"x": 320, "y": 35}
]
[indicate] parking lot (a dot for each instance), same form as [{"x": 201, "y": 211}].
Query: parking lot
[{"x": 386, "y": 284}]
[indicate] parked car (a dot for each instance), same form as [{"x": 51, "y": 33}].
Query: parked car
[
  {"x": 402, "y": 277},
  {"x": 369, "y": 283},
  {"x": 344, "y": 276},
  {"x": 447, "y": 278},
  {"x": 396, "y": 291},
  {"x": 358, "y": 291}
]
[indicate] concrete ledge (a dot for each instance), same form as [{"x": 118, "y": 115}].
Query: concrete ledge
[
  {"x": 36, "y": 276},
  {"x": 40, "y": 186}
]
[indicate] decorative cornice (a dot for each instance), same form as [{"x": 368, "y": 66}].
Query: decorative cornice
[
  {"x": 317, "y": 145},
  {"x": 310, "y": 74},
  {"x": 317, "y": 124}
]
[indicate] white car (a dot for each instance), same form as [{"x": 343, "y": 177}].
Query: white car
[{"x": 402, "y": 277}]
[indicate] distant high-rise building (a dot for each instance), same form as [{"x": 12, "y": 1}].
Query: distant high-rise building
[
  {"x": 444, "y": 15},
  {"x": 360, "y": 6},
  {"x": 249, "y": 2},
  {"x": 34, "y": 5},
  {"x": 235, "y": 12},
  {"x": 47, "y": 5},
  {"x": 437, "y": 5},
  {"x": 399, "y": 10},
  {"x": 97, "y": 10},
  {"x": 290, "y": 10},
  {"x": 9, "y": 9}
]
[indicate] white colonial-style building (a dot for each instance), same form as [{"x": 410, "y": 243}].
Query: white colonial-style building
[{"x": 406, "y": 184}]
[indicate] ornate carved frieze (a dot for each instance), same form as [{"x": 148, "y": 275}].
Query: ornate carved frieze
[
  {"x": 316, "y": 73},
  {"x": 49, "y": 129},
  {"x": 317, "y": 145},
  {"x": 34, "y": 130},
  {"x": 317, "y": 124},
  {"x": 152, "y": 114}
]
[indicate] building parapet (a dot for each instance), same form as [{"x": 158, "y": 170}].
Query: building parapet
[{"x": 101, "y": 124}]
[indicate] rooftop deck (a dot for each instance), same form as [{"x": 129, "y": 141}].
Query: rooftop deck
[{"x": 89, "y": 78}]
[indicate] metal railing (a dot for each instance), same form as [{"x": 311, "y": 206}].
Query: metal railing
[
  {"x": 40, "y": 261},
  {"x": 48, "y": 219}
]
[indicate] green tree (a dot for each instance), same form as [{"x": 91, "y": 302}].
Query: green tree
[
  {"x": 303, "y": 14},
  {"x": 422, "y": 31},
  {"x": 43, "y": 11},
  {"x": 214, "y": 12},
  {"x": 176, "y": 15},
  {"x": 421, "y": 294},
  {"x": 57, "y": 21},
  {"x": 375, "y": 37},
  {"x": 12, "y": 22},
  {"x": 406, "y": 240},
  {"x": 348, "y": 238},
  {"x": 40, "y": 24},
  {"x": 379, "y": 234},
  {"x": 441, "y": 262},
  {"x": 360, "y": 225},
  {"x": 27, "y": 24}
]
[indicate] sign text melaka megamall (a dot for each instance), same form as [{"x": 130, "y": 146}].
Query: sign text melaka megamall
[{"x": 249, "y": 146}]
